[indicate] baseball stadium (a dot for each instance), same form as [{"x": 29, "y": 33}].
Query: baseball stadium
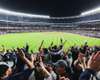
[{"x": 48, "y": 46}]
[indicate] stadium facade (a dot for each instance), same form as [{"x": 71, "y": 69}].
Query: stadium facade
[{"x": 19, "y": 22}]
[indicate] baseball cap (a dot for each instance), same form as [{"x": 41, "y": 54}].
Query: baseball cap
[
  {"x": 61, "y": 63},
  {"x": 8, "y": 64}
]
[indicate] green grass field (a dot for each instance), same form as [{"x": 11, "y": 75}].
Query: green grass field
[{"x": 34, "y": 39}]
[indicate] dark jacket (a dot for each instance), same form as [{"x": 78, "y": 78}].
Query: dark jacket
[{"x": 88, "y": 74}]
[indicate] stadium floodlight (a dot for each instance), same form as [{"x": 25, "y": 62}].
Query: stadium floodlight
[
  {"x": 8, "y": 12},
  {"x": 93, "y": 11}
]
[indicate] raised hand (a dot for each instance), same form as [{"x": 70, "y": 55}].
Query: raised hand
[
  {"x": 94, "y": 62},
  {"x": 51, "y": 43},
  {"x": 46, "y": 73},
  {"x": 21, "y": 53},
  {"x": 33, "y": 58},
  {"x": 30, "y": 63},
  {"x": 41, "y": 62},
  {"x": 41, "y": 45}
]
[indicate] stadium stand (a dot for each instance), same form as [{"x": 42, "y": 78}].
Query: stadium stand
[{"x": 85, "y": 25}]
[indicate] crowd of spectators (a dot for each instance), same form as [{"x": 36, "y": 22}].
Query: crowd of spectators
[{"x": 52, "y": 63}]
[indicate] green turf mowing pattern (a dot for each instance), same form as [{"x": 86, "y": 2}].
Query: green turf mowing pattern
[{"x": 34, "y": 39}]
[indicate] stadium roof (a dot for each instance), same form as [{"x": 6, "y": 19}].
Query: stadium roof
[
  {"x": 8, "y": 12},
  {"x": 86, "y": 13},
  {"x": 91, "y": 12},
  {"x": 54, "y": 8}
]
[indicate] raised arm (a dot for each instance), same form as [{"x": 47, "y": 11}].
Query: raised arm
[
  {"x": 51, "y": 45},
  {"x": 30, "y": 63},
  {"x": 93, "y": 66},
  {"x": 46, "y": 73},
  {"x": 27, "y": 47},
  {"x": 62, "y": 43},
  {"x": 41, "y": 45}
]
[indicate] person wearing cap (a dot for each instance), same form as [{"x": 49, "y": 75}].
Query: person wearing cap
[
  {"x": 63, "y": 70},
  {"x": 56, "y": 52},
  {"x": 6, "y": 71}
]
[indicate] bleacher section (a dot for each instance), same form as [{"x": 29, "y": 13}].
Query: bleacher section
[{"x": 87, "y": 25}]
